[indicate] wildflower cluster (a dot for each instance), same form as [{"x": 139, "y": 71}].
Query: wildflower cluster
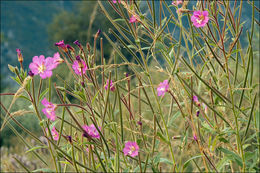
[{"x": 129, "y": 117}]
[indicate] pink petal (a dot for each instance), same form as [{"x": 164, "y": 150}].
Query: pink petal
[
  {"x": 49, "y": 63},
  {"x": 193, "y": 19},
  {"x": 205, "y": 13},
  {"x": 34, "y": 68},
  {"x": 35, "y": 59},
  {"x": 48, "y": 73},
  {"x": 56, "y": 55},
  {"x": 197, "y": 13},
  {"x": 45, "y": 102},
  {"x": 41, "y": 59}
]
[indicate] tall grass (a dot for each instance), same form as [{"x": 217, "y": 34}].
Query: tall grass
[{"x": 219, "y": 132}]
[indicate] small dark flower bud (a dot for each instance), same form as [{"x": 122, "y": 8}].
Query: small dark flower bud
[
  {"x": 69, "y": 139},
  {"x": 99, "y": 31},
  {"x": 139, "y": 123},
  {"x": 70, "y": 48},
  {"x": 85, "y": 134},
  {"x": 30, "y": 73},
  {"x": 82, "y": 83},
  {"x": 197, "y": 114},
  {"x": 78, "y": 44},
  {"x": 78, "y": 58}
]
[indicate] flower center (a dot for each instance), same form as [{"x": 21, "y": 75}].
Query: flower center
[
  {"x": 41, "y": 68},
  {"x": 79, "y": 69},
  {"x": 201, "y": 18},
  {"x": 54, "y": 134},
  {"x": 49, "y": 111},
  {"x": 162, "y": 89},
  {"x": 132, "y": 149}
]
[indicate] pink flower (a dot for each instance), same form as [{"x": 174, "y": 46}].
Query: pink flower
[
  {"x": 49, "y": 109},
  {"x": 131, "y": 149},
  {"x": 91, "y": 131},
  {"x": 163, "y": 88},
  {"x": 42, "y": 66},
  {"x": 200, "y": 18},
  {"x": 54, "y": 133},
  {"x": 76, "y": 66},
  {"x": 132, "y": 19},
  {"x": 112, "y": 87},
  {"x": 57, "y": 60},
  {"x": 176, "y": 2},
  {"x": 115, "y": 1},
  {"x": 196, "y": 100}
]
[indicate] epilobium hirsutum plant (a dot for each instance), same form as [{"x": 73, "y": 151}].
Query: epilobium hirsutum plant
[{"x": 188, "y": 102}]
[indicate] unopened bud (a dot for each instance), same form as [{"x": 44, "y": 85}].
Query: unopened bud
[
  {"x": 78, "y": 58},
  {"x": 98, "y": 32},
  {"x": 85, "y": 134},
  {"x": 19, "y": 55},
  {"x": 62, "y": 45},
  {"x": 69, "y": 139},
  {"x": 197, "y": 114},
  {"x": 88, "y": 47},
  {"x": 41, "y": 123},
  {"x": 195, "y": 137},
  {"x": 82, "y": 83},
  {"x": 70, "y": 48},
  {"x": 30, "y": 73},
  {"x": 78, "y": 44}
]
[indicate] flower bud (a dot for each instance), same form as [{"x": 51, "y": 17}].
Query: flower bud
[
  {"x": 30, "y": 73},
  {"x": 195, "y": 137},
  {"x": 19, "y": 55},
  {"x": 97, "y": 34},
  {"x": 62, "y": 45},
  {"x": 197, "y": 114},
  {"x": 82, "y": 84},
  {"x": 78, "y": 44},
  {"x": 88, "y": 47},
  {"x": 41, "y": 123},
  {"x": 139, "y": 123},
  {"x": 69, "y": 139},
  {"x": 78, "y": 58},
  {"x": 70, "y": 48}
]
